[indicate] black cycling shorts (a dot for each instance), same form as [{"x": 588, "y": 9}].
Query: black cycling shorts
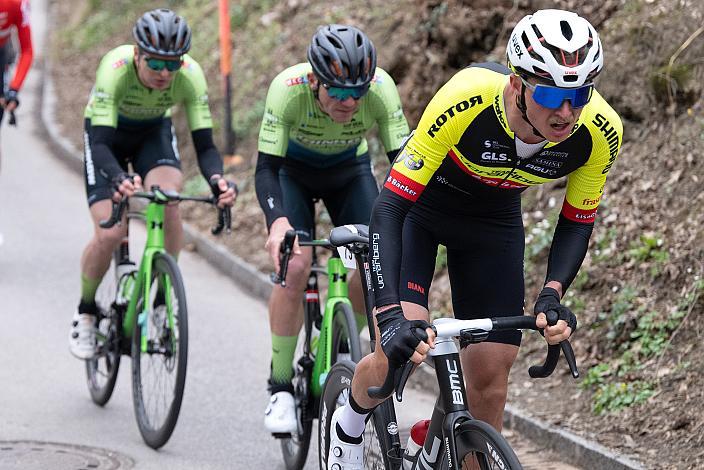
[
  {"x": 485, "y": 248},
  {"x": 144, "y": 147},
  {"x": 348, "y": 191}
]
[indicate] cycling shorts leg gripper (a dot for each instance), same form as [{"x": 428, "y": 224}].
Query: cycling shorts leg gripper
[{"x": 282, "y": 351}]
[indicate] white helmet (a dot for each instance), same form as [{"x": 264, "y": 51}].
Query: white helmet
[{"x": 557, "y": 45}]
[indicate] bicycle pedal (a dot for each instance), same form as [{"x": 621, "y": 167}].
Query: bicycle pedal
[{"x": 281, "y": 435}]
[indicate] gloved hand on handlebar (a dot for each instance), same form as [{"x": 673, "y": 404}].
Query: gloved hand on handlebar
[
  {"x": 549, "y": 300},
  {"x": 402, "y": 339},
  {"x": 224, "y": 190},
  {"x": 125, "y": 185}
]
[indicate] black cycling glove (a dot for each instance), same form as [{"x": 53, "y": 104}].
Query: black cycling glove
[
  {"x": 216, "y": 189},
  {"x": 118, "y": 179},
  {"x": 400, "y": 336},
  {"x": 549, "y": 299}
]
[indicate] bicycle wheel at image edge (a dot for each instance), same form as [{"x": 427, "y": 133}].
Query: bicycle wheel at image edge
[
  {"x": 477, "y": 438},
  {"x": 101, "y": 371},
  {"x": 335, "y": 394},
  {"x": 295, "y": 448},
  {"x": 159, "y": 373}
]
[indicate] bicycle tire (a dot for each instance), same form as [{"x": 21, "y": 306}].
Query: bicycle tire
[
  {"x": 101, "y": 371},
  {"x": 162, "y": 340},
  {"x": 344, "y": 329},
  {"x": 295, "y": 447},
  {"x": 335, "y": 394},
  {"x": 475, "y": 437}
]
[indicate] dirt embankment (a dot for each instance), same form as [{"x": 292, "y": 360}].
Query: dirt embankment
[{"x": 639, "y": 294}]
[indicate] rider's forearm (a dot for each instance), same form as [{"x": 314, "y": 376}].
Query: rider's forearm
[
  {"x": 101, "y": 141},
  {"x": 385, "y": 231},
  {"x": 569, "y": 247},
  {"x": 268, "y": 187},
  {"x": 209, "y": 159}
]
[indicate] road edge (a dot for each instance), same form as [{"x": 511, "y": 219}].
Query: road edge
[{"x": 576, "y": 449}]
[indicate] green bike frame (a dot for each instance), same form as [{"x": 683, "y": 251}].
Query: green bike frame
[
  {"x": 143, "y": 283},
  {"x": 337, "y": 293}
]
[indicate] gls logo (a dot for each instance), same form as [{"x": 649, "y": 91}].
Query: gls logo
[
  {"x": 494, "y": 157},
  {"x": 450, "y": 112},
  {"x": 455, "y": 383}
]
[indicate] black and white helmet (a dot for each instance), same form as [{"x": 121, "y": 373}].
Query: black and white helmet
[
  {"x": 556, "y": 45},
  {"x": 162, "y": 32},
  {"x": 342, "y": 56}
]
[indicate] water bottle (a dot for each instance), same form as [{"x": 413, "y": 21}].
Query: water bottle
[
  {"x": 125, "y": 280},
  {"x": 415, "y": 443}
]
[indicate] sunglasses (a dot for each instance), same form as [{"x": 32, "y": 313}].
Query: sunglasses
[
  {"x": 342, "y": 94},
  {"x": 160, "y": 64},
  {"x": 552, "y": 97}
]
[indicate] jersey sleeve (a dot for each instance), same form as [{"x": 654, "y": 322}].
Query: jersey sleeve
[
  {"x": 387, "y": 110},
  {"x": 585, "y": 185},
  {"x": 195, "y": 97},
  {"x": 26, "y": 52},
  {"x": 440, "y": 128},
  {"x": 276, "y": 125}
]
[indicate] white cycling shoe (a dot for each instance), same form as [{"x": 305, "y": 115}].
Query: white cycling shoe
[
  {"x": 81, "y": 337},
  {"x": 342, "y": 455},
  {"x": 280, "y": 415}
]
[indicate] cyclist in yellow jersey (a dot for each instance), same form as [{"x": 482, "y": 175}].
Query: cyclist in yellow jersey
[{"x": 488, "y": 134}]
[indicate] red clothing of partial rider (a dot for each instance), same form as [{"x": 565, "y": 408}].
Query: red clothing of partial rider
[{"x": 16, "y": 13}]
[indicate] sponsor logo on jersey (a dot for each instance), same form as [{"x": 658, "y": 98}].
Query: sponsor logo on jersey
[
  {"x": 540, "y": 169},
  {"x": 463, "y": 105},
  {"x": 119, "y": 63},
  {"x": 494, "y": 144},
  {"x": 591, "y": 202},
  {"x": 550, "y": 163},
  {"x": 332, "y": 142},
  {"x": 499, "y": 112},
  {"x": 403, "y": 186},
  {"x": 296, "y": 81},
  {"x": 612, "y": 139},
  {"x": 585, "y": 216},
  {"x": 552, "y": 153},
  {"x": 494, "y": 157},
  {"x": 411, "y": 161}
]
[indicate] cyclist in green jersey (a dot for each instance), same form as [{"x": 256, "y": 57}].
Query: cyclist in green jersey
[
  {"x": 312, "y": 145},
  {"x": 486, "y": 136},
  {"x": 128, "y": 120}
]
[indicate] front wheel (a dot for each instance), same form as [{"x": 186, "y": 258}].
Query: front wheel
[
  {"x": 345, "y": 338},
  {"x": 478, "y": 443},
  {"x": 336, "y": 393},
  {"x": 160, "y": 352}
]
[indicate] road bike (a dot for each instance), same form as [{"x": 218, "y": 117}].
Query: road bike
[
  {"x": 327, "y": 337},
  {"x": 454, "y": 438},
  {"x": 142, "y": 313}
]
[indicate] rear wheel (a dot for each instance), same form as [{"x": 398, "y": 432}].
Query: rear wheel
[
  {"x": 101, "y": 371},
  {"x": 159, "y": 359},
  {"x": 480, "y": 446}
]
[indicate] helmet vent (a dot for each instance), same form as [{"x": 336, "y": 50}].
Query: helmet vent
[{"x": 566, "y": 30}]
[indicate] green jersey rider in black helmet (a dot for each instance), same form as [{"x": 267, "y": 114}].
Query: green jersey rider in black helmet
[
  {"x": 312, "y": 145},
  {"x": 128, "y": 120}
]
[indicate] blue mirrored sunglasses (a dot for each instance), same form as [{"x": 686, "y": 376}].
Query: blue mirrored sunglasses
[
  {"x": 160, "y": 64},
  {"x": 342, "y": 94},
  {"x": 552, "y": 96}
]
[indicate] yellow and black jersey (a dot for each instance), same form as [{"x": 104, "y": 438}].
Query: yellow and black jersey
[{"x": 463, "y": 144}]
